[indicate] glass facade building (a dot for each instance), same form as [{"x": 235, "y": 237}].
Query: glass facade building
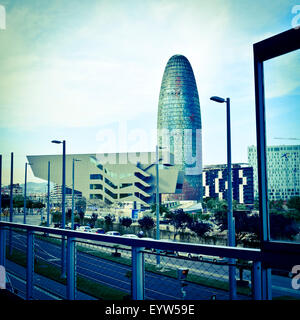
[{"x": 179, "y": 124}]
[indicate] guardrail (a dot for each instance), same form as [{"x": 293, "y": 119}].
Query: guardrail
[{"x": 137, "y": 246}]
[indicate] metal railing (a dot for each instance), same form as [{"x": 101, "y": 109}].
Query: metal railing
[{"x": 136, "y": 272}]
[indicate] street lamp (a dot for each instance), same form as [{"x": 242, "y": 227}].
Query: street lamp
[
  {"x": 0, "y": 186},
  {"x": 73, "y": 174},
  {"x": 63, "y": 208},
  {"x": 231, "y": 227},
  {"x": 11, "y": 204},
  {"x": 25, "y": 191},
  {"x": 48, "y": 195}
]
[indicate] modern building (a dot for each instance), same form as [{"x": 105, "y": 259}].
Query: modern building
[
  {"x": 215, "y": 182},
  {"x": 179, "y": 125},
  {"x": 111, "y": 178},
  {"x": 16, "y": 189},
  {"x": 56, "y": 195},
  {"x": 283, "y": 171}
]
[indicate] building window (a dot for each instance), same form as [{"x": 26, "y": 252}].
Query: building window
[
  {"x": 96, "y": 186},
  {"x": 96, "y": 176},
  {"x": 96, "y": 196},
  {"x": 110, "y": 184}
]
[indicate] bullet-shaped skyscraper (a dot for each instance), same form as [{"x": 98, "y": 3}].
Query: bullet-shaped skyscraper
[{"x": 179, "y": 125}]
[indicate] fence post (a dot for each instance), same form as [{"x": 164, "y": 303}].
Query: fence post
[
  {"x": 137, "y": 273},
  {"x": 256, "y": 278},
  {"x": 2, "y": 246},
  {"x": 266, "y": 284},
  {"x": 71, "y": 268},
  {"x": 30, "y": 265}
]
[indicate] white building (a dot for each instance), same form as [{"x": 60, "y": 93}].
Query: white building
[{"x": 283, "y": 170}]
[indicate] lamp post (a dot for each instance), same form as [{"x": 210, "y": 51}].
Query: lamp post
[
  {"x": 25, "y": 193},
  {"x": 63, "y": 205},
  {"x": 48, "y": 195},
  {"x": 230, "y": 219},
  {"x": 0, "y": 186},
  {"x": 11, "y": 209},
  {"x": 157, "y": 201},
  {"x": 73, "y": 174}
]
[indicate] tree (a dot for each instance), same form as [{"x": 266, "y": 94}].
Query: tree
[
  {"x": 248, "y": 224},
  {"x": 93, "y": 220},
  {"x": 69, "y": 214},
  {"x": 126, "y": 222},
  {"x": 162, "y": 209},
  {"x": 81, "y": 204},
  {"x": 146, "y": 223},
  {"x": 81, "y": 215},
  {"x": 200, "y": 228},
  {"x": 282, "y": 227},
  {"x": 294, "y": 203},
  {"x": 180, "y": 220},
  {"x": 109, "y": 219}
]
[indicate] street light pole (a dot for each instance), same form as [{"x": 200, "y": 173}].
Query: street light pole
[
  {"x": 63, "y": 207},
  {"x": 25, "y": 187},
  {"x": 230, "y": 219},
  {"x": 48, "y": 195},
  {"x": 231, "y": 227},
  {"x": 0, "y": 186},
  {"x": 11, "y": 200},
  {"x": 157, "y": 202},
  {"x": 73, "y": 200}
]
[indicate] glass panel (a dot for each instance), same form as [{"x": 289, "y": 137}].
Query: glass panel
[{"x": 282, "y": 99}]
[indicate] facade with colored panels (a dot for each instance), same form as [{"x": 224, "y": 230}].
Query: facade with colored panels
[
  {"x": 179, "y": 125},
  {"x": 215, "y": 183}
]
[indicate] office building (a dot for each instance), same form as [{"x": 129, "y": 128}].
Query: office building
[
  {"x": 215, "y": 182},
  {"x": 179, "y": 125},
  {"x": 283, "y": 171}
]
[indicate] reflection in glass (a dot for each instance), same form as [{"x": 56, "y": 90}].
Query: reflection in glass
[{"x": 282, "y": 100}]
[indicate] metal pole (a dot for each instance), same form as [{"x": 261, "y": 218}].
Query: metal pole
[
  {"x": 231, "y": 227},
  {"x": 137, "y": 274},
  {"x": 30, "y": 265},
  {"x": 256, "y": 288},
  {"x": 11, "y": 201},
  {"x": 72, "y": 216},
  {"x": 63, "y": 251},
  {"x": 48, "y": 195},
  {"x": 157, "y": 203},
  {"x": 2, "y": 246},
  {"x": 0, "y": 186},
  {"x": 25, "y": 187},
  {"x": 71, "y": 269}
]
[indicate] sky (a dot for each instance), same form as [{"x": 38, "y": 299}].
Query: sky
[{"x": 87, "y": 71}]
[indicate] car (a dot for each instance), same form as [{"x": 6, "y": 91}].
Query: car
[
  {"x": 113, "y": 233},
  {"x": 169, "y": 251},
  {"x": 84, "y": 229},
  {"x": 204, "y": 258},
  {"x": 98, "y": 230},
  {"x": 134, "y": 236}
]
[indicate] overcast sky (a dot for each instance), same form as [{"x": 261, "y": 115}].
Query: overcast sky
[{"x": 85, "y": 70}]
